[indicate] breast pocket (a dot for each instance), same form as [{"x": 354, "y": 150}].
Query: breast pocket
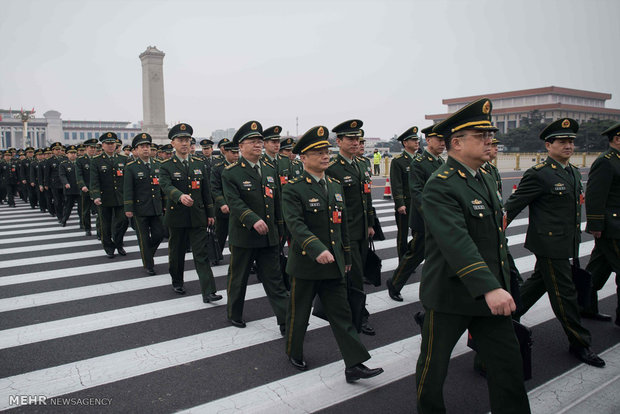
[{"x": 480, "y": 222}]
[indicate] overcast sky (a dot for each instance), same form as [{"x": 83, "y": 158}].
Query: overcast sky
[{"x": 386, "y": 62}]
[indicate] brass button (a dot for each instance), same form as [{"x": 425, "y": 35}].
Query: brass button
[
  {"x": 266, "y": 205},
  {"x": 331, "y": 230},
  {"x": 499, "y": 228},
  {"x": 502, "y": 262},
  {"x": 501, "y": 246},
  {"x": 330, "y": 207},
  {"x": 153, "y": 195},
  {"x": 267, "y": 215},
  {"x": 303, "y": 252},
  {"x": 560, "y": 193},
  {"x": 171, "y": 207},
  {"x": 614, "y": 215},
  {"x": 550, "y": 233},
  {"x": 333, "y": 242},
  {"x": 315, "y": 210},
  {"x": 480, "y": 214}
]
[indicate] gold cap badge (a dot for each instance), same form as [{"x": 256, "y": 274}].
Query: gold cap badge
[
  {"x": 276, "y": 130},
  {"x": 415, "y": 130},
  {"x": 320, "y": 132},
  {"x": 143, "y": 135},
  {"x": 183, "y": 127},
  {"x": 353, "y": 124},
  {"x": 565, "y": 123},
  {"x": 109, "y": 135},
  {"x": 253, "y": 127},
  {"x": 486, "y": 108}
]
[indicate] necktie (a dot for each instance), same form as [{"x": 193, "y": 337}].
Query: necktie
[
  {"x": 323, "y": 186},
  {"x": 440, "y": 160},
  {"x": 481, "y": 182},
  {"x": 185, "y": 164},
  {"x": 257, "y": 169},
  {"x": 569, "y": 171}
]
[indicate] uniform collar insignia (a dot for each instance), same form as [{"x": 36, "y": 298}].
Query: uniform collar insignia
[{"x": 462, "y": 174}]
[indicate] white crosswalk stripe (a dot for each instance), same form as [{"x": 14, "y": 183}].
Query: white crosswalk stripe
[{"x": 73, "y": 271}]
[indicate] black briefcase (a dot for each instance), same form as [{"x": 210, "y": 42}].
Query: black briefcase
[
  {"x": 372, "y": 269},
  {"x": 213, "y": 247},
  {"x": 583, "y": 284},
  {"x": 357, "y": 302},
  {"x": 379, "y": 236},
  {"x": 524, "y": 336}
]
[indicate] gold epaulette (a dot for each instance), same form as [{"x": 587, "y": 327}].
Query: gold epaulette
[
  {"x": 445, "y": 172},
  {"x": 97, "y": 156},
  {"x": 131, "y": 162},
  {"x": 419, "y": 158},
  {"x": 165, "y": 161},
  {"x": 335, "y": 180},
  {"x": 228, "y": 167},
  {"x": 398, "y": 156},
  {"x": 332, "y": 162},
  {"x": 608, "y": 156},
  {"x": 294, "y": 180},
  {"x": 268, "y": 163},
  {"x": 539, "y": 166}
]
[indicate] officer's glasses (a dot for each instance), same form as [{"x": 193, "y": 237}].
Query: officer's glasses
[{"x": 483, "y": 136}]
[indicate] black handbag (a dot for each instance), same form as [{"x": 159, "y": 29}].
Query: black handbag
[
  {"x": 524, "y": 336},
  {"x": 213, "y": 246},
  {"x": 285, "y": 278},
  {"x": 372, "y": 269},
  {"x": 379, "y": 236},
  {"x": 583, "y": 284},
  {"x": 357, "y": 303}
]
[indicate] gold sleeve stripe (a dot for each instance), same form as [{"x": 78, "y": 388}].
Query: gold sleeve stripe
[
  {"x": 472, "y": 270},
  {"x": 467, "y": 267},
  {"x": 245, "y": 213},
  {"x": 307, "y": 241}
]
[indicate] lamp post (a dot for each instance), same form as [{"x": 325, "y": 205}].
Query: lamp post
[{"x": 25, "y": 116}]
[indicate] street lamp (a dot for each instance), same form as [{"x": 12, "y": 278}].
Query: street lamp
[{"x": 25, "y": 116}]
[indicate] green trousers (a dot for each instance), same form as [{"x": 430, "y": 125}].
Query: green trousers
[
  {"x": 498, "y": 347},
  {"x": 409, "y": 262},
  {"x": 605, "y": 258},
  {"x": 333, "y": 295},
  {"x": 113, "y": 225},
  {"x": 150, "y": 232},
  {"x": 402, "y": 231},
  {"x": 177, "y": 246},
  {"x": 268, "y": 266},
  {"x": 554, "y": 276}
]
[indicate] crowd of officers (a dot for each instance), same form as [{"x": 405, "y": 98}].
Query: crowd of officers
[{"x": 262, "y": 193}]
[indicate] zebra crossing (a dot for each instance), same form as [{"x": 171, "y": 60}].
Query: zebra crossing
[{"x": 76, "y": 324}]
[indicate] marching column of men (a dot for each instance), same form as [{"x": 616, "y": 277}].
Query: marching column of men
[{"x": 259, "y": 195}]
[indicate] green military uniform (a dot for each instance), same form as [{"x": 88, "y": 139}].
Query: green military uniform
[
  {"x": 494, "y": 171},
  {"x": 52, "y": 181},
  {"x": 67, "y": 174},
  {"x": 221, "y": 219},
  {"x": 422, "y": 168},
  {"x": 83, "y": 180},
  {"x": 252, "y": 195},
  {"x": 554, "y": 196},
  {"x": 10, "y": 173},
  {"x": 3, "y": 168},
  {"x": 187, "y": 224},
  {"x": 32, "y": 191},
  {"x": 33, "y": 177},
  {"x": 603, "y": 214},
  {"x": 142, "y": 198},
  {"x": 466, "y": 258},
  {"x": 106, "y": 184},
  {"x": 315, "y": 213},
  {"x": 356, "y": 183},
  {"x": 399, "y": 181}
]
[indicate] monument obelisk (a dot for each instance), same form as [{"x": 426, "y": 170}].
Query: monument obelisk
[{"x": 153, "y": 106}]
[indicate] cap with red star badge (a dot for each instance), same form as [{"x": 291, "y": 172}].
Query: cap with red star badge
[
  {"x": 314, "y": 138},
  {"x": 561, "y": 128}
]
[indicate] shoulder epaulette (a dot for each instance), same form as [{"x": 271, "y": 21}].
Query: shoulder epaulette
[
  {"x": 130, "y": 162},
  {"x": 268, "y": 163},
  {"x": 335, "y": 180},
  {"x": 608, "y": 155},
  {"x": 419, "y": 158},
  {"x": 539, "y": 166},
  {"x": 294, "y": 180},
  {"x": 218, "y": 164},
  {"x": 332, "y": 162},
  {"x": 448, "y": 171},
  {"x": 228, "y": 167},
  {"x": 165, "y": 161},
  {"x": 398, "y": 155},
  {"x": 98, "y": 156}
]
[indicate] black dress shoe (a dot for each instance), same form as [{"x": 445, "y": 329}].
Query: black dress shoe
[
  {"x": 367, "y": 329},
  {"x": 63, "y": 224},
  {"x": 282, "y": 329},
  {"x": 586, "y": 356},
  {"x": 179, "y": 289},
  {"x": 212, "y": 297},
  {"x": 596, "y": 316},
  {"x": 88, "y": 233},
  {"x": 151, "y": 272},
  {"x": 361, "y": 371},
  {"x": 121, "y": 251},
  {"x": 238, "y": 324},
  {"x": 300, "y": 364},
  {"x": 419, "y": 318},
  {"x": 110, "y": 255},
  {"x": 392, "y": 291}
]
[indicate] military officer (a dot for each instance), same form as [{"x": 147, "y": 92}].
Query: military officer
[
  {"x": 603, "y": 221},
  {"x": 167, "y": 152},
  {"x": 222, "y": 211},
  {"x": 45, "y": 198},
  {"x": 315, "y": 213},
  {"x": 127, "y": 150},
  {"x": 463, "y": 217},
  {"x": 271, "y": 146},
  {"x": 553, "y": 192},
  {"x": 154, "y": 149},
  {"x": 24, "y": 173},
  {"x": 68, "y": 178},
  {"x": 421, "y": 169},
  {"x": 106, "y": 191},
  {"x": 22, "y": 189},
  {"x": 142, "y": 199},
  {"x": 356, "y": 182},
  {"x": 189, "y": 210},
  {"x": 33, "y": 176},
  {"x": 220, "y": 147},
  {"x": 255, "y": 225},
  {"x": 83, "y": 165},
  {"x": 492, "y": 169},
  {"x": 81, "y": 150},
  {"x": 52, "y": 179},
  {"x": 10, "y": 172},
  {"x": 361, "y": 151},
  {"x": 399, "y": 180},
  {"x": 290, "y": 167}
]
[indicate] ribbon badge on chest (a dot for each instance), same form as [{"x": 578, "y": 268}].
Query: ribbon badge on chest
[{"x": 477, "y": 204}]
